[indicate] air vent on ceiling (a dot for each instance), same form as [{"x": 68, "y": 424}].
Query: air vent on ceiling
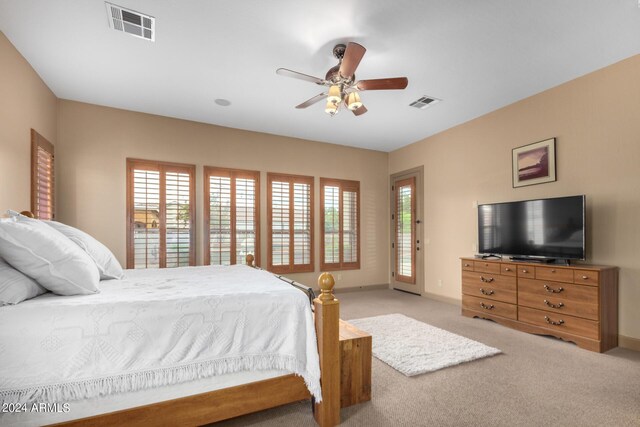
[
  {"x": 131, "y": 22},
  {"x": 424, "y": 102}
]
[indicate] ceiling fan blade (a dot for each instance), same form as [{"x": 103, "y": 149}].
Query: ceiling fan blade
[
  {"x": 312, "y": 101},
  {"x": 360, "y": 111},
  {"x": 296, "y": 75},
  {"x": 383, "y": 84},
  {"x": 352, "y": 57}
]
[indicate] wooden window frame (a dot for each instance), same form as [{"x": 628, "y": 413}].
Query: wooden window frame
[
  {"x": 343, "y": 185},
  {"x": 39, "y": 141},
  {"x": 411, "y": 182},
  {"x": 163, "y": 168},
  {"x": 233, "y": 174},
  {"x": 291, "y": 267}
]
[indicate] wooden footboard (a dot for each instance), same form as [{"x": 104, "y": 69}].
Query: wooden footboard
[
  {"x": 240, "y": 400},
  {"x": 327, "y": 310}
]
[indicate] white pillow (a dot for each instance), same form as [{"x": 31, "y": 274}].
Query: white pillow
[
  {"x": 15, "y": 287},
  {"x": 47, "y": 256},
  {"x": 108, "y": 265}
]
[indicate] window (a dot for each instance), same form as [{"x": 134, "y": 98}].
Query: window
[
  {"x": 340, "y": 224},
  {"x": 290, "y": 222},
  {"x": 160, "y": 214},
  {"x": 42, "y": 182},
  {"x": 232, "y": 213}
]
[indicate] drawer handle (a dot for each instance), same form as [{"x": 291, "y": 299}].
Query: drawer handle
[
  {"x": 507, "y": 269},
  {"x": 551, "y": 322},
  {"x": 524, "y": 270},
  {"x": 487, "y": 307},
  {"x": 584, "y": 277},
  {"x": 466, "y": 265},
  {"x": 486, "y": 292},
  {"x": 553, "y": 271},
  {"x": 548, "y": 304},
  {"x": 553, "y": 291},
  {"x": 489, "y": 280}
]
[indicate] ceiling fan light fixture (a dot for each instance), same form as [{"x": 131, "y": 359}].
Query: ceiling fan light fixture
[
  {"x": 331, "y": 108},
  {"x": 334, "y": 94},
  {"x": 353, "y": 101}
]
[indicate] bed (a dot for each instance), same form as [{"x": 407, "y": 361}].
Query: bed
[{"x": 187, "y": 346}]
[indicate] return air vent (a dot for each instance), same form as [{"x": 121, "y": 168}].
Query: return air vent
[
  {"x": 131, "y": 22},
  {"x": 424, "y": 102}
]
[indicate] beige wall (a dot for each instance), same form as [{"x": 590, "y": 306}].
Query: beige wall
[
  {"x": 596, "y": 120},
  {"x": 25, "y": 103},
  {"x": 95, "y": 141}
]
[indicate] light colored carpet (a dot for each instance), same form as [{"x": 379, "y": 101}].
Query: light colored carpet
[
  {"x": 413, "y": 347},
  {"x": 537, "y": 381}
]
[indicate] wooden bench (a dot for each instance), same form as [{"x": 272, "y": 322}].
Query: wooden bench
[{"x": 355, "y": 368}]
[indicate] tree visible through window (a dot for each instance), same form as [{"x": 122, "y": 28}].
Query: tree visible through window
[
  {"x": 340, "y": 224},
  {"x": 160, "y": 214}
]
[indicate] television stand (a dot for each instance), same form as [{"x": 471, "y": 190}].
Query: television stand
[{"x": 577, "y": 303}]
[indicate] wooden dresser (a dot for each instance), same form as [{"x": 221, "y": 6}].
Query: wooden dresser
[{"x": 577, "y": 303}]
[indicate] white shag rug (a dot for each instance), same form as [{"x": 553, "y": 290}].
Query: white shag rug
[{"x": 413, "y": 347}]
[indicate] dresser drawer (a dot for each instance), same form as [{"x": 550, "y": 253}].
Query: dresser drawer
[
  {"x": 486, "y": 267},
  {"x": 491, "y": 286},
  {"x": 554, "y": 274},
  {"x": 560, "y": 322},
  {"x": 497, "y": 308},
  {"x": 467, "y": 265},
  {"x": 526, "y": 271},
  {"x": 562, "y": 298},
  {"x": 586, "y": 277},
  {"x": 508, "y": 269}
]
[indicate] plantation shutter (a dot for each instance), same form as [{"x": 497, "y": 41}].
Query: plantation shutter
[
  {"x": 42, "y": 177},
  {"x": 340, "y": 224},
  {"x": 178, "y": 216},
  {"x": 350, "y": 227},
  {"x": 331, "y": 211},
  {"x": 231, "y": 215},
  {"x": 290, "y": 231},
  {"x": 280, "y": 231},
  {"x": 160, "y": 214}
]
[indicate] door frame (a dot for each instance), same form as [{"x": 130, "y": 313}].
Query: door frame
[{"x": 418, "y": 287}]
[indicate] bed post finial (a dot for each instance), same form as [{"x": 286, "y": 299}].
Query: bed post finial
[
  {"x": 327, "y": 319},
  {"x": 28, "y": 214},
  {"x": 326, "y": 283},
  {"x": 249, "y": 259}
]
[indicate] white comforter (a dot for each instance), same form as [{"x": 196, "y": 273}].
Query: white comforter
[{"x": 154, "y": 328}]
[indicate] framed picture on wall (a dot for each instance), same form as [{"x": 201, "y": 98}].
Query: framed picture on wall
[{"x": 534, "y": 163}]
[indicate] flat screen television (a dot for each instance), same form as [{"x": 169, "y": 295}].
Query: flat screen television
[{"x": 545, "y": 228}]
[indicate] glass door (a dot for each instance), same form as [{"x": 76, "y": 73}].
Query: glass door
[{"x": 406, "y": 264}]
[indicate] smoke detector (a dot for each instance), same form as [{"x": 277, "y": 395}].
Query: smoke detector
[{"x": 131, "y": 22}]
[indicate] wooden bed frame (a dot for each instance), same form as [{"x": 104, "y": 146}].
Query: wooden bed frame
[{"x": 244, "y": 399}]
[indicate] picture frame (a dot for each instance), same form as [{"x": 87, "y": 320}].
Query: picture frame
[{"x": 534, "y": 163}]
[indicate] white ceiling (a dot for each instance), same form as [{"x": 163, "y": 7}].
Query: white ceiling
[{"x": 476, "y": 55}]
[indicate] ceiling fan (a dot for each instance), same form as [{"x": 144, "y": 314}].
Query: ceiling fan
[{"x": 341, "y": 81}]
